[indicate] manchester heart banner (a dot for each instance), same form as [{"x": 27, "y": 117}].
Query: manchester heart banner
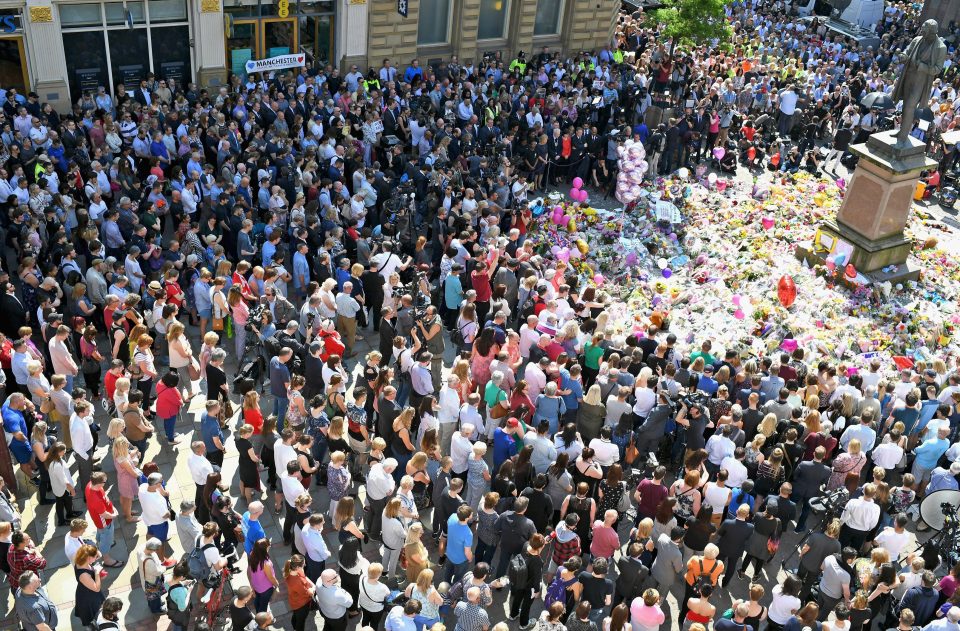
[{"x": 275, "y": 63}]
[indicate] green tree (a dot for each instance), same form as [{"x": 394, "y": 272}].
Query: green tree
[{"x": 692, "y": 21}]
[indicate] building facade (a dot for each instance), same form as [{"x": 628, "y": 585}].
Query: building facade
[
  {"x": 436, "y": 29},
  {"x": 62, "y": 49}
]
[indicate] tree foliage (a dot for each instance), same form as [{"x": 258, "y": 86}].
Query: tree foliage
[{"x": 692, "y": 21}]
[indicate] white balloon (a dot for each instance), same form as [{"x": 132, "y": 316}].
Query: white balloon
[{"x": 712, "y": 178}]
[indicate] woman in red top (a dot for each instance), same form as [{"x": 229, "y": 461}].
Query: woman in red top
[
  {"x": 240, "y": 279},
  {"x": 169, "y": 403},
  {"x": 480, "y": 281},
  {"x": 251, "y": 411},
  {"x": 171, "y": 286},
  {"x": 300, "y": 590}
]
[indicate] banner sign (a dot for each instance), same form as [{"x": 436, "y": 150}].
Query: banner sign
[
  {"x": 275, "y": 63},
  {"x": 402, "y": 7}
]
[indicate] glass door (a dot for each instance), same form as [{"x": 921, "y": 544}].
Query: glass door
[
  {"x": 316, "y": 37},
  {"x": 13, "y": 64},
  {"x": 243, "y": 41},
  {"x": 279, "y": 37}
]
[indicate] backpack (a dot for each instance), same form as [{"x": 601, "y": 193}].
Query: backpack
[
  {"x": 456, "y": 336},
  {"x": 702, "y": 579},
  {"x": 197, "y": 561},
  {"x": 517, "y": 570},
  {"x": 556, "y": 592},
  {"x": 181, "y": 618}
]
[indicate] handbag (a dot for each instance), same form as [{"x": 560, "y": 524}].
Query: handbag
[
  {"x": 193, "y": 370},
  {"x": 226, "y": 411},
  {"x": 631, "y": 453},
  {"x": 47, "y": 406},
  {"x": 773, "y": 544},
  {"x": 218, "y": 324},
  {"x": 499, "y": 411},
  {"x": 624, "y": 504}
]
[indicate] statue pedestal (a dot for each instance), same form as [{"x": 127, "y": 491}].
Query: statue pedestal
[
  {"x": 864, "y": 13},
  {"x": 869, "y": 227}
]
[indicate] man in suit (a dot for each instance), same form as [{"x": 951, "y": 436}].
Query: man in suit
[
  {"x": 388, "y": 331},
  {"x": 731, "y": 539},
  {"x": 16, "y": 314},
  {"x": 389, "y": 410},
  {"x": 631, "y": 575},
  {"x": 807, "y": 480}
]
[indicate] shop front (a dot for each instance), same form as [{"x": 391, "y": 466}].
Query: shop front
[
  {"x": 13, "y": 57},
  {"x": 113, "y": 43},
  {"x": 258, "y": 29}
]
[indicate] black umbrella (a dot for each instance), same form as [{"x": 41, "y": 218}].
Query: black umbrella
[{"x": 879, "y": 101}]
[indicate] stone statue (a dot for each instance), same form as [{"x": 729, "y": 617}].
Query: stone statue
[{"x": 923, "y": 61}]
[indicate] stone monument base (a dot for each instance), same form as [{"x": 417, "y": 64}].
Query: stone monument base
[{"x": 868, "y": 229}]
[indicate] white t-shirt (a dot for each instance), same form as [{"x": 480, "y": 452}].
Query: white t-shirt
[
  {"x": 605, "y": 452},
  {"x": 373, "y": 596},
  {"x": 387, "y": 263},
  {"x": 893, "y": 542},
  {"x": 282, "y": 454}
]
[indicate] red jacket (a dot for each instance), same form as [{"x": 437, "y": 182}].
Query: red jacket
[{"x": 169, "y": 401}]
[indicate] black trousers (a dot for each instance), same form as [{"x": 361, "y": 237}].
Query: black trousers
[
  {"x": 299, "y": 619},
  {"x": 215, "y": 457},
  {"x": 371, "y": 618},
  {"x": 520, "y": 601},
  {"x": 334, "y": 624},
  {"x": 288, "y": 522},
  {"x": 63, "y": 508},
  {"x": 203, "y": 515}
]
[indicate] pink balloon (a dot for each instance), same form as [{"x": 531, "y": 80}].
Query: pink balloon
[
  {"x": 574, "y": 193},
  {"x": 719, "y": 152},
  {"x": 598, "y": 279},
  {"x": 721, "y": 185},
  {"x": 736, "y": 299},
  {"x": 767, "y": 222},
  {"x": 583, "y": 195},
  {"x": 739, "y": 314},
  {"x": 577, "y": 182}
]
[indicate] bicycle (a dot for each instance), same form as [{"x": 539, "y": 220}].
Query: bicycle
[{"x": 216, "y": 601}]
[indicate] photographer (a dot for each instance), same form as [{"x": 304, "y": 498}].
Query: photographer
[{"x": 431, "y": 332}]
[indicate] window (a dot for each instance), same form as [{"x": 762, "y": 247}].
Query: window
[
  {"x": 116, "y": 16},
  {"x": 549, "y": 13},
  {"x": 493, "y": 19},
  {"x": 434, "y": 24},
  {"x": 168, "y": 11},
  {"x": 80, "y": 15}
]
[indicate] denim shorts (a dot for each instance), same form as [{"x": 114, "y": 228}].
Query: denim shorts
[
  {"x": 105, "y": 538},
  {"x": 205, "y": 313}
]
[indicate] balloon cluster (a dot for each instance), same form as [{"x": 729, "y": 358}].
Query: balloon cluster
[
  {"x": 562, "y": 219},
  {"x": 577, "y": 193},
  {"x": 633, "y": 166}
]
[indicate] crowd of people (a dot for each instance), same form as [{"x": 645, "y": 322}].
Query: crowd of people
[{"x": 171, "y": 243}]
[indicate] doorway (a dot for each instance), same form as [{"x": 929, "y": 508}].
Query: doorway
[
  {"x": 259, "y": 39},
  {"x": 13, "y": 64}
]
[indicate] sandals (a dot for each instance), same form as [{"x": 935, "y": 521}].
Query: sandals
[{"x": 114, "y": 564}]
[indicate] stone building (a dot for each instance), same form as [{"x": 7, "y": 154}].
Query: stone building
[{"x": 436, "y": 29}]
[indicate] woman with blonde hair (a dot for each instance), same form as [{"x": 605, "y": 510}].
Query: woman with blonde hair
[
  {"x": 416, "y": 553},
  {"x": 181, "y": 356},
  {"x": 126, "y": 460},
  {"x": 394, "y": 533},
  {"x": 373, "y": 596},
  {"x": 753, "y": 455},
  {"x": 590, "y": 414},
  {"x": 768, "y": 426},
  {"x": 40, "y": 444},
  {"x": 210, "y": 341},
  {"x": 461, "y": 369},
  {"x": 423, "y": 591},
  {"x": 478, "y": 475},
  {"x": 687, "y": 493},
  {"x": 770, "y": 474},
  {"x": 850, "y": 461}
]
